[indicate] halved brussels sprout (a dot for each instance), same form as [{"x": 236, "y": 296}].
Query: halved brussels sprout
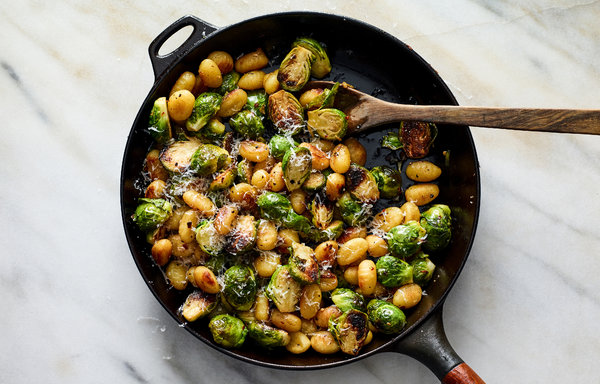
[
  {"x": 324, "y": 100},
  {"x": 274, "y": 206},
  {"x": 303, "y": 264},
  {"x": 228, "y": 331},
  {"x": 223, "y": 180},
  {"x": 197, "y": 305},
  {"x": 296, "y": 165},
  {"x": 208, "y": 159},
  {"x": 151, "y": 213},
  {"x": 361, "y": 184},
  {"x": 385, "y": 316},
  {"x": 328, "y": 123},
  {"x": 315, "y": 182},
  {"x": 286, "y": 113},
  {"x": 322, "y": 211},
  {"x": 389, "y": 181},
  {"x": 267, "y": 336},
  {"x": 423, "y": 269},
  {"x": 294, "y": 71},
  {"x": 346, "y": 299},
  {"x": 229, "y": 83},
  {"x": 209, "y": 239},
  {"x": 280, "y": 144},
  {"x": 393, "y": 272},
  {"x": 437, "y": 223},
  {"x": 248, "y": 124},
  {"x": 332, "y": 232},
  {"x": 257, "y": 102},
  {"x": 321, "y": 66},
  {"x": 176, "y": 157},
  {"x": 244, "y": 171},
  {"x": 404, "y": 239},
  {"x": 350, "y": 330},
  {"x": 239, "y": 287},
  {"x": 159, "y": 124},
  {"x": 217, "y": 264},
  {"x": 243, "y": 236},
  {"x": 417, "y": 137},
  {"x": 213, "y": 131},
  {"x": 206, "y": 106},
  {"x": 353, "y": 211},
  {"x": 283, "y": 289}
]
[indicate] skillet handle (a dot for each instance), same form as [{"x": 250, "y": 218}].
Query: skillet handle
[
  {"x": 160, "y": 63},
  {"x": 429, "y": 344}
]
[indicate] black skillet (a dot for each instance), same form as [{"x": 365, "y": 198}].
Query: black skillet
[{"x": 374, "y": 62}]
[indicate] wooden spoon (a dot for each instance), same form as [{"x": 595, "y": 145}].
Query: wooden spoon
[{"x": 364, "y": 112}]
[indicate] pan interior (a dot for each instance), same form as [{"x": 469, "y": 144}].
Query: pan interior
[{"x": 373, "y": 62}]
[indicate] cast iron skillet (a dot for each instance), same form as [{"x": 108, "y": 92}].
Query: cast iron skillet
[{"x": 375, "y": 62}]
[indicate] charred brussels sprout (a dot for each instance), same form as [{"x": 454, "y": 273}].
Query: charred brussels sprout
[
  {"x": 159, "y": 124},
  {"x": 417, "y": 137},
  {"x": 223, "y": 180},
  {"x": 350, "y": 330},
  {"x": 151, "y": 213},
  {"x": 207, "y": 237},
  {"x": 257, "y": 102},
  {"x": 328, "y": 123},
  {"x": 322, "y": 211},
  {"x": 321, "y": 66},
  {"x": 248, "y": 124},
  {"x": 228, "y": 331},
  {"x": 244, "y": 171},
  {"x": 294, "y": 71},
  {"x": 197, "y": 305},
  {"x": 296, "y": 164},
  {"x": 286, "y": 113},
  {"x": 239, "y": 287},
  {"x": 280, "y": 144},
  {"x": 283, "y": 289},
  {"x": 229, "y": 83},
  {"x": 332, "y": 232},
  {"x": 177, "y": 156},
  {"x": 315, "y": 182},
  {"x": 206, "y": 106},
  {"x": 267, "y": 336},
  {"x": 422, "y": 270},
  {"x": 346, "y": 299},
  {"x": 393, "y": 272},
  {"x": 325, "y": 99},
  {"x": 208, "y": 159},
  {"x": 389, "y": 181},
  {"x": 353, "y": 212},
  {"x": 385, "y": 316},
  {"x": 303, "y": 264},
  {"x": 361, "y": 184},
  {"x": 243, "y": 236},
  {"x": 437, "y": 223},
  {"x": 404, "y": 240}
]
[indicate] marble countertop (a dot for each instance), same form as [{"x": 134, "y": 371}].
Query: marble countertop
[{"x": 75, "y": 310}]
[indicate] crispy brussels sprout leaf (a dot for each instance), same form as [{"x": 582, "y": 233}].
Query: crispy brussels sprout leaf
[
  {"x": 328, "y": 123},
  {"x": 159, "y": 124},
  {"x": 296, "y": 164},
  {"x": 151, "y": 213},
  {"x": 322, "y": 211},
  {"x": 223, "y": 180},
  {"x": 283, "y": 289},
  {"x": 209, "y": 240},
  {"x": 294, "y": 71},
  {"x": 391, "y": 141},
  {"x": 229, "y": 83},
  {"x": 239, "y": 287},
  {"x": 228, "y": 331},
  {"x": 286, "y": 113},
  {"x": 207, "y": 104},
  {"x": 321, "y": 65},
  {"x": 257, "y": 102},
  {"x": 332, "y": 232}
]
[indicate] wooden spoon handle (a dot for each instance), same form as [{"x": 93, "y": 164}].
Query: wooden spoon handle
[{"x": 528, "y": 119}]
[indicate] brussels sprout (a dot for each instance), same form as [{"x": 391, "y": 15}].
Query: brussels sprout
[
  {"x": 229, "y": 83},
  {"x": 159, "y": 124},
  {"x": 385, "y": 316},
  {"x": 239, "y": 287},
  {"x": 404, "y": 239},
  {"x": 286, "y": 113},
  {"x": 267, "y": 336},
  {"x": 328, "y": 123},
  {"x": 283, "y": 289},
  {"x": 151, "y": 213},
  {"x": 353, "y": 212},
  {"x": 177, "y": 156},
  {"x": 393, "y": 272},
  {"x": 207, "y": 104},
  {"x": 197, "y": 305},
  {"x": 223, "y": 180},
  {"x": 216, "y": 264},
  {"x": 417, "y": 137},
  {"x": 361, "y": 184},
  {"x": 315, "y": 182},
  {"x": 243, "y": 236},
  {"x": 228, "y": 331},
  {"x": 322, "y": 211},
  {"x": 303, "y": 264},
  {"x": 248, "y": 124},
  {"x": 244, "y": 171},
  {"x": 422, "y": 270},
  {"x": 346, "y": 299},
  {"x": 321, "y": 65},
  {"x": 207, "y": 237},
  {"x": 391, "y": 141},
  {"x": 350, "y": 330},
  {"x": 274, "y": 206},
  {"x": 257, "y": 102},
  {"x": 325, "y": 99},
  {"x": 280, "y": 144},
  {"x": 294, "y": 71},
  {"x": 296, "y": 164},
  {"x": 214, "y": 130},
  {"x": 332, "y": 232},
  {"x": 389, "y": 181},
  {"x": 437, "y": 223},
  {"x": 208, "y": 159}
]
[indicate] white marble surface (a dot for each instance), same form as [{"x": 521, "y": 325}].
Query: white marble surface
[{"x": 526, "y": 308}]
